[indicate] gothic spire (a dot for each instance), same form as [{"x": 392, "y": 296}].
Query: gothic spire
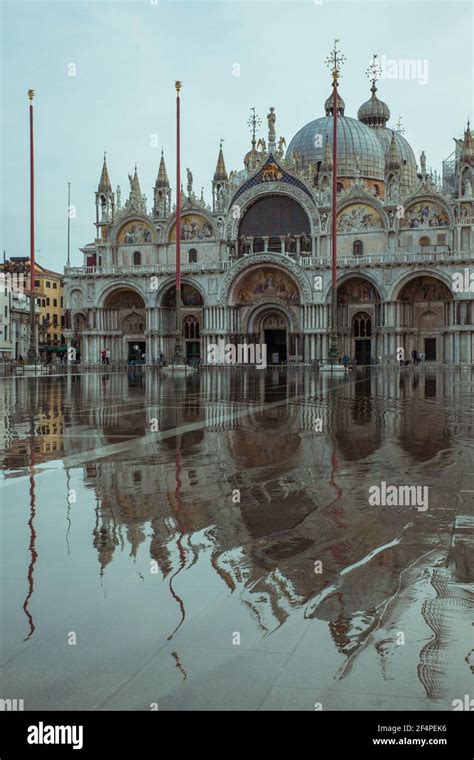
[
  {"x": 104, "y": 182},
  {"x": 162, "y": 178},
  {"x": 135, "y": 190},
  {"x": 221, "y": 172},
  {"x": 392, "y": 159},
  {"x": 326, "y": 164},
  {"x": 467, "y": 153}
]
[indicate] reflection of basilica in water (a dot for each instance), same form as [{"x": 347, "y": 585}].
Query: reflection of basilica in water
[
  {"x": 298, "y": 488},
  {"x": 257, "y": 262},
  {"x": 164, "y": 494}
]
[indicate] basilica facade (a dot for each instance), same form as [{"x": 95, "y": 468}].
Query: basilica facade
[{"x": 256, "y": 264}]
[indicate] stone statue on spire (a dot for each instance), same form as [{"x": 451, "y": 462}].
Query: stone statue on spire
[
  {"x": 190, "y": 182},
  {"x": 271, "y": 118}
]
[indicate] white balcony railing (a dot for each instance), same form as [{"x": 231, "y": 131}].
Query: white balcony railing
[{"x": 401, "y": 256}]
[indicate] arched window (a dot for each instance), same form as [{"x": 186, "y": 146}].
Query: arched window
[
  {"x": 193, "y": 256},
  {"x": 137, "y": 258},
  {"x": 357, "y": 248},
  {"x": 362, "y": 325},
  {"x": 340, "y": 187},
  {"x": 377, "y": 190},
  {"x": 191, "y": 328}
]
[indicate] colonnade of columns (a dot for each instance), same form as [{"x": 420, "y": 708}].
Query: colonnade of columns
[{"x": 393, "y": 326}]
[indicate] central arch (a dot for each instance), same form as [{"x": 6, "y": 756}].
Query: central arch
[
  {"x": 272, "y": 326},
  {"x": 273, "y": 218}
]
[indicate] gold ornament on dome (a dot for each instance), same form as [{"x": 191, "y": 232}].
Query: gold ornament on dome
[{"x": 267, "y": 284}]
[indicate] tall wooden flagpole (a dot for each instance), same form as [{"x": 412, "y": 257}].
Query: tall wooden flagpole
[
  {"x": 178, "y": 351},
  {"x": 32, "y": 344}
]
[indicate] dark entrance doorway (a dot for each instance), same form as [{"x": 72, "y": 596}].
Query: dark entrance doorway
[
  {"x": 276, "y": 346},
  {"x": 430, "y": 349},
  {"x": 136, "y": 352},
  {"x": 362, "y": 351},
  {"x": 193, "y": 351}
]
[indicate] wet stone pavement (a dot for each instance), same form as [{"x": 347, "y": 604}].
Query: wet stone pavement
[{"x": 211, "y": 542}]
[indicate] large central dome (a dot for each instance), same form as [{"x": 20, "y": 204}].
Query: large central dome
[{"x": 353, "y": 139}]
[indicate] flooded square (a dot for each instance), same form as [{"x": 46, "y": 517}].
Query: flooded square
[{"x": 218, "y": 541}]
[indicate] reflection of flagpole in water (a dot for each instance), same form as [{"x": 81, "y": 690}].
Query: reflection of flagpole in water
[
  {"x": 181, "y": 526},
  {"x": 32, "y": 546},
  {"x": 68, "y": 509}
]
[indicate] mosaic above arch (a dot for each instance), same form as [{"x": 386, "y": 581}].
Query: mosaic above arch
[
  {"x": 357, "y": 290},
  {"x": 190, "y": 296},
  {"x": 135, "y": 232},
  {"x": 359, "y": 217},
  {"x": 193, "y": 227},
  {"x": 425, "y": 288},
  {"x": 124, "y": 299},
  {"x": 266, "y": 284},
  {"x": 424, "y": 214}
]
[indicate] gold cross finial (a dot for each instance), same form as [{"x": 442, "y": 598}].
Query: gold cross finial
[{"x": 335, "y": 60}]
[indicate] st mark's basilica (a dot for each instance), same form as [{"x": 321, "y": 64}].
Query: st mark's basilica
[{"x": 256, "y": 265}]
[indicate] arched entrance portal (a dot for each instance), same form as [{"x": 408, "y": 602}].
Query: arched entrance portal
[
  {"x": 125, "y": 313},
  {"x": 274, "y": 334},
  {"x": 362, "y": 335},
  {"x": 359, "y": 319},
  {"x": 426, "y": 310}
]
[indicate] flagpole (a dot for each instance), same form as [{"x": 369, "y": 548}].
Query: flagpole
[
  {"x": 178, "y": 351},
  {"x": 334, "y": 60},
  {"x": 68, "y": 222},
  {"x": 32, "y": 347}
]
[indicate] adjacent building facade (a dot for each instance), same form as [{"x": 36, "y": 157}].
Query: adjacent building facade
[{"x": 257, "y": 262}]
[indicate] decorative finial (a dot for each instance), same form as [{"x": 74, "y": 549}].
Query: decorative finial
[
  {"x": 335, "y": 60},
  {"x": 398, "y": 127},
  {"x": 373, "y": 72},
  {"x": 222, "y": 140},
  {"x": 178, "y": 85},
  {"x": 31, "y": 95},
  {"x": 254, "y": 122}
]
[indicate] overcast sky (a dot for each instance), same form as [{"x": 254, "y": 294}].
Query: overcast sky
[{"x": 127, "y": 55}]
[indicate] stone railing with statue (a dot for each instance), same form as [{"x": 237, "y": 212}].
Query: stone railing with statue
[{"x": 289, "y": 244}]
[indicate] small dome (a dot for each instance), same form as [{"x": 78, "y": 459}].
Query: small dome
[
  {"x": 328, "y": 105},
  {"x": 374, "y": 112}
]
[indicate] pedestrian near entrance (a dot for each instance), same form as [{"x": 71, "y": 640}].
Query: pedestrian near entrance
[
  {"x": 415, "y": 357},
  {"x": 102, "y": 355},
  {"x": 107, "y": 356}
]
